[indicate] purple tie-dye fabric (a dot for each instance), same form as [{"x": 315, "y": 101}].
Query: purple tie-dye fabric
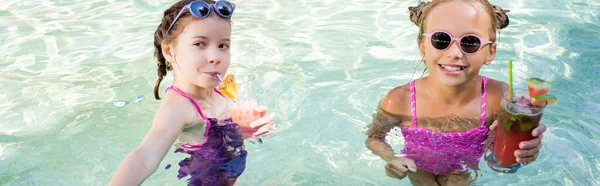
[
  {"x": 220, "y": 158},
  {"x": 217, "y": 161}
]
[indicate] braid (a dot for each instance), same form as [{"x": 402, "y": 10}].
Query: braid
[
  {"x": 161, "y": 35},
  {"x": 162, "y": 66}
]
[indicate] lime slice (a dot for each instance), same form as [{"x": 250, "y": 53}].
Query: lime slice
[{"x": 543, "y": 99}]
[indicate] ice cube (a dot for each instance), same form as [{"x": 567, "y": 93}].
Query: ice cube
[
  {"x": 525, "y": 109},
  {"x": 522, "y": 101}
]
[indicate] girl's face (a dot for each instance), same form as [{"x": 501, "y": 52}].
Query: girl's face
[
  {"x": 201, "y": 51},
  {"x": 452, "y": 67}
]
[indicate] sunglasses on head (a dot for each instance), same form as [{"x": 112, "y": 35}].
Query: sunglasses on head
[
  {"x": 469, "y": 43},
  {"x": 201, "y": 9}
]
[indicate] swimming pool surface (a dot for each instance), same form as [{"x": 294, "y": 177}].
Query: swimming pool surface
[{"x": 72, "y": 73}]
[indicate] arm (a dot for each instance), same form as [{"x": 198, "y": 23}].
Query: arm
[
  {"x": 144, "y": 160},
  {"x": 383, "y": 121},
  {"x": 392, "y": 106},
  {"x": 377, "y": 132}
]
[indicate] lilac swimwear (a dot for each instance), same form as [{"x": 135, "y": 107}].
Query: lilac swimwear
[
  {"x": 220, "y": 157},
  {"x": 442, "y": 152}
]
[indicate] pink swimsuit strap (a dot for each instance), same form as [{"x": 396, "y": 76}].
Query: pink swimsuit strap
[
  {"x": 208, "y": 123},
  {"x": 413, "y": 103}
]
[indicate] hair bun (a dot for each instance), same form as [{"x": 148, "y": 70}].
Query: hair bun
[
  {"x": 416, "y": 12},
  {"x": 501, "y": 17}
]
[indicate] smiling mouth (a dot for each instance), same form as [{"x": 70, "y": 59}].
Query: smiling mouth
[{"x": 453, "y": 67}]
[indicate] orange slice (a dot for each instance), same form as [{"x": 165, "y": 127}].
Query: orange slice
[{"x": 228, "y": 87}]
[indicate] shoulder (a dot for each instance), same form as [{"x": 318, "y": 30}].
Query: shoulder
[
  {"x": 397, "y": 101},
  {"x": 496, "y": 87},
  {"x": 175, "y": 110},
  {"x": 494, "y": 91}
]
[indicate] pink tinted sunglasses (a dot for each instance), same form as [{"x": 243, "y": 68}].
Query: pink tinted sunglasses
[{"x": 469, "y": 43}]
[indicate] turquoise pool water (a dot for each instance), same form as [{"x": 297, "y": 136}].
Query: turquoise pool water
[{"x": 71, "y": 73}]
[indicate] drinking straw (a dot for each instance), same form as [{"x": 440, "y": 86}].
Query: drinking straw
[
  {"x": 219, "y": 77},
  {"x": 510, "y": 81}
]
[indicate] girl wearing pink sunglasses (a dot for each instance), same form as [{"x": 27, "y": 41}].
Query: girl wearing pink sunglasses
[{"x": 446, "y": 117}]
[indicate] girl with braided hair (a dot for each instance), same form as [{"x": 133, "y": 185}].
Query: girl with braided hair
[{"x": 193, "y": 41}]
